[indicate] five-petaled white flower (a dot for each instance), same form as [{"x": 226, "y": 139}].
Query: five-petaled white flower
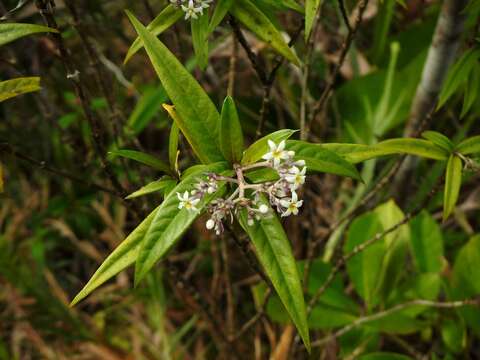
[
  {"x": 296, "y": 177},
  {"x": 187, "y": 202},
  {"x": 292, "y": 205},
  {"x": 277, "y": 153},
  {"x": 191, "y": 11}
]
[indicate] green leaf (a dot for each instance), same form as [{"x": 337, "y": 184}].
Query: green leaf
[
  {"x": 422, "y": 148},
  {"x": 199, "y": 29},
  {"x": 384, "y": 356},
  {"x": 356, "y": 153},
  {"x": 466, "y": 272},
  {"x": 319, "y": 159},
  {"x": 122, "y": 257},
  {"x": 454, "y": 334},
  {"x": 284, "y": 5},
  {"x": 160, "y": 185},
  {"x": 469, "y": 146},
  {"x": 143, "y": 158},
  {"x": 260, "y": 147},
  {"x": 169, "y": 16},
  {"x": 472, "y": 89},
  {"x": 256, "y": 21},
  {"x": 221, "y": 10},
  {"x": 198, "y": 118},
  {"x": 145, "y": 110},
  {"x": 427, "y": 243},
  {"x": 18, "y": 86},
  {"x": 458, "y": 74},
  {"x": 275, "y": 254},
  {"x": 311, "y": 9},
  {"x": 170, "y": 222},
  {"x": 439, "y": 140},
  {"x": 453, "y": 181},
  {"x": 173, "y": 146},
  {"x": 231, "y": 135},
  {"x": 13, "y": 31}
]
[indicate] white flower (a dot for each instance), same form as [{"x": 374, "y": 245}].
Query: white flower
[
  {"x": 187, "y": 202},
  {"x": 292, "y": 205},
  {"x": 296, "y": 177},
  {"x": 277, "y": 153},
  {"x": 263, "y": 209},
  {"x": 299, "y": 163},
  {"x": 191, "y": 11},
  {"x": 250, "y": 222},
  {"x": 210, "y": 224}
]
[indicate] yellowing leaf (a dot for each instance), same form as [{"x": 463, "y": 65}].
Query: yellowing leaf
[{"x": 18, "y": 86}]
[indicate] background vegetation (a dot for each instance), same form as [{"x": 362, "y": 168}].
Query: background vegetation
[{"x": 388, "y": 256}]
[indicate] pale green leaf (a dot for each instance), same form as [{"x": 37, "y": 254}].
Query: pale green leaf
[
  {"x": 18, "y": 86},
  {"x": 13, "y": 31},
  {"x": 173, "y": 146},
  {"x": 199, "y": 28},
  {"x": 260, "y": 147},
  {"x": 311, "y": 9},
  {"x": 439, "y": 140},
  {"x": 427, "y": 243},
  {"x": 221, "y": 10},
  {"x": 143, "y": 158},
  {"x": 160, "y": 185},
  {"x": 453, "y": 181},
  {"x": 422, "y": 148},
  {"x": 469, "y": 146}
]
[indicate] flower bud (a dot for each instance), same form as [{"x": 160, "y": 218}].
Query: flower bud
[
  {"x": 210, "y": 224},
  {"x": 263, "y": 209}
]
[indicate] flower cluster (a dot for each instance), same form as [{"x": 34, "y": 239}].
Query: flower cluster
[
  {"x": 192, "y": 8},
  {"x": 256, "y": 199}
]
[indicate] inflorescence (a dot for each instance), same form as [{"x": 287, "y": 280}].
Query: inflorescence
[
  {"x": 192, "y": 8},
  {"x": 281, "y": 194}
]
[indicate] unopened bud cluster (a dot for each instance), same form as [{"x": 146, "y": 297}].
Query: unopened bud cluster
[
  {"x": 281, "y": 194},
  {"x": 192, "y": 8}
]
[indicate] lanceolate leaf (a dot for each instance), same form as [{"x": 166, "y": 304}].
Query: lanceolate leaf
[
  {"x": 453, "y": 181},
  {"x": 275, "y": 254},
  {"x": 200, "y": 40},
  {"x": 284, "y": 5},
  {"x": 170, "y": 222},
  {"x": 200, "y": 119},
  {"x": 469, "y": 146},
  {"x": 122, "y": 257},
  {"x": 356, "y": 153},
  {"x": 438, "y": 139},
  {"x": 422, "y": 148},
  {"x": 260, "y": 147},
  {"x": 221, "y": 10},
  {"x": 169, "y": 16},
  {"x": 13, "y": 31},
  {"x": 311, "y": 9},
  {"x": 173, "y": 146},
  {"x": 143, "y": 158},
  {"x": 320, "y": 159},
  {"x": 256, "y": 21},
  {"x": 231, "y": 135},
  {"x": 160, "y": 185},
  {"x": 19, "y": 86}
]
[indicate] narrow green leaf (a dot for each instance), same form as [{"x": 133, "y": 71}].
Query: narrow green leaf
[
  {"x": 284, "y": 5},
  {"x": 18, "y": 86},
  {"x": 199, "y": 29},
  {"x": 169, "y": 16},
  {"x": 458, "y": 74},
  {"x": 143, "y": 158},
  {"x": 13, "y": 31},
  {"x": 198, "y": 118},
  {"x": 159, "y": 185},
  {"x": 1, "y": 179},
  {"x": 439, "y": 139},
  {"x": 122, "y": 257},
  {"x": 170, "y": 222},
  {"x": 173, "y": 146},
  {"x": 453, "y": 181},
  {"x": 275, "y": 254},
  {"x": 469, "y": 146},
  {"x": 356, "y": 153},
  {"x": 256, "y": 21},
  {"x": 319, "y": 159},
  {"x": 311, "y": 9},
  {"x": 472, "y": 89},
  {"x": 221, "y": 10},
  {"x": 231, "y": 135},
  {"x": 422, "y": 148},
  {"x": 260, "y": 147}
]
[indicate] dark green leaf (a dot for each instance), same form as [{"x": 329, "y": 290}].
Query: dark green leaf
[
  {"x": 170, "y": 222},
  {"x": 221, "y": 9},
  {"x": 256, "y": 21},
  {"x": 200, "y": 40},
  {"x": 169, "y": 16},
  {"x": 13, "y": 31},
  {"x": 275, "y": 254},
  {"x": 260, "y": 147},
  {"x": 147, "y": 107},
  {"x": 198, "y": 119},
  {"x": 231, "y": 135},
  {"x": 427, "y": 243},
  {"x": 143, "y": 158},
  {"x": 471, "y": 91},
  {"x": 453, "y": 181},
  {"x": 384, "y": 356},
  {"x": 319, "y": 159}
]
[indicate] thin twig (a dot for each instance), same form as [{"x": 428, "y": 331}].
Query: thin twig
[{"x": 343, "y": 10}]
